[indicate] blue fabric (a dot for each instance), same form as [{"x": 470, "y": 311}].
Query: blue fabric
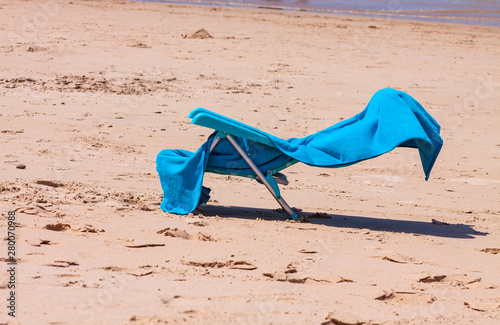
[{"x": 392, "y": 118}]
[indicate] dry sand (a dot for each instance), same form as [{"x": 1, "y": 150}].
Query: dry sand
[{"x": 91, "y": 91}]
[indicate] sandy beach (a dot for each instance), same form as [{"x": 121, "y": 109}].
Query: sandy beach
[{"x": 91, "y": 91}]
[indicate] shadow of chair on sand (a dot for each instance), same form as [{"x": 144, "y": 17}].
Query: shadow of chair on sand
[{"x": 429, "y": 228}]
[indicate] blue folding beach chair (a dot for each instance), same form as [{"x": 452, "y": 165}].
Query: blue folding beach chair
[
  {"x": 391, "y": 119},
  {"x": 228, "y": 128}
]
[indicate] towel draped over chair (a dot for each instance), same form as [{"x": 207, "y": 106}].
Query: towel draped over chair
[{"x": 391, "y": 119}]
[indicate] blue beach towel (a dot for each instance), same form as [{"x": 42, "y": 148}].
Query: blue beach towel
[{"x": 391, "y": 119}]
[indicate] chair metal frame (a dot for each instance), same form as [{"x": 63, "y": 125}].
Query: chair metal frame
[
  {"x": 269, "y": 181},
  {"x": 228, "y": 128}
]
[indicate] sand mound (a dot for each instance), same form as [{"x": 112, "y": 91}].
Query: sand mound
[{"x": 201, "y": 33}]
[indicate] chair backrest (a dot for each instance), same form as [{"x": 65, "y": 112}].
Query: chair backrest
[{"x": 209, "y": 119}]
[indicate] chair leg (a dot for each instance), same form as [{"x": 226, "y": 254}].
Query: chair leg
[
  {"x": 263, "y": 179},
  {"x": 287, "y": 208},
  {"x": 216, "y": 140}
]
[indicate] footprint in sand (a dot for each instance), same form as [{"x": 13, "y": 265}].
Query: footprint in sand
[
  {"x": 58, "y": 227},
  {"x": 406, "y": 297},
  {"x": 179, "y": 233},
  {"x": 293, "y": 275},
  {"x": 237, "y": 265},
  {"x": 174, "y": 232},
  {"x": 454, "y": 280},
  {"x": 63, "y": 264},
  {"x": 64, "y": 226},
  {"x": 144, "y": 245},
  {"x": 429, "y": 279},
  {"x": 41, "y": 242},
  {"x": 37, "y": 210},
  {"x": 483, "y": 305},
  {"x": 491, "y": 250},
  {"x": 400, "y": 258},
  {"x": 344, "y": 318}
]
